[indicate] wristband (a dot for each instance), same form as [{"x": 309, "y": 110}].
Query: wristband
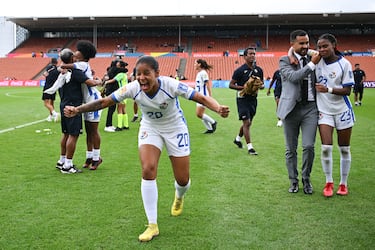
[{"x": 330, "y": 90}]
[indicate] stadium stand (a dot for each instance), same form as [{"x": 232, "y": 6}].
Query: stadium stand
[{"x": 22, "y": 66}]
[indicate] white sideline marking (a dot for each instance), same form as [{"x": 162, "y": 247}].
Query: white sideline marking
[{"x": 21, "y": 126}]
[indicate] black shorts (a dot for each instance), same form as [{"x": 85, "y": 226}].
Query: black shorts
[
  {"x": 46, "y": 96},
  {"x": 71, "y": 126},
  {"x": 358, "y": 88},
  {"x": 246, "y": 107}
]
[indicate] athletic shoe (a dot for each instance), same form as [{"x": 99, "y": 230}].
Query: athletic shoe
[
  {"x": 279, "y": 123},
  {"x": 343, "y": 190},
  {"x": 87, "y": 163},
  {"x": 208, "y": 131},
  {"x": 55, "y": 117},
  {"x": 135, "y": 118},
  {"x": 59, "y": 165},
  {"x": 71, "y": 170},
  {"x": 49, "y": 118},
  {"x": 95, "y": 164},
  {"x": 252, "y": 151},
  {"x": 178, "y": 205},
  {"x": 151, "y": 231},
  {"x": 360, "y": 103},
  {"x": 109, "y": 129},
  {"x": 125, "y": 128},
  {"x": 356, "y": 103},
  {"x": 293, "y": 187},
  {"x": 238, "y": 143},
  {"x": 328, "y": 189},
  {"x": 214, "y": 126},
  {"x": 118, "y": 129}
]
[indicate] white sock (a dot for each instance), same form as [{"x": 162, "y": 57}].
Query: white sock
[
  {"x": 54, "y": 113},
  {"x": 62, "y": 159},
  {"x": 249, "y": 146},
  {"x": 68, "y": 163},
  {"x": 345, "y": 162},
  {"x": 238, "y": 138},
  {"x": 326, "y": 159},
  {"x": 95, "y": 154},
  {"x": 207, "y": 124},
  {"x": 88, "y": 154},
  {"x": 149, "y": 192},
  {"x": 181, "y": 190}
]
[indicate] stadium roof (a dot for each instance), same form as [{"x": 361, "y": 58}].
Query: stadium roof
[{"x": 69, "y": 23}]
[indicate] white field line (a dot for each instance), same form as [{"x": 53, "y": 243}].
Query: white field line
[{"x": 21, "y": 126}]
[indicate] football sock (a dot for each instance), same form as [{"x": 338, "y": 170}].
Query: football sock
[
  {"x": 62, "y": 159},
  {"x": 207, "y": 124},
  {"x": 238, "y": 138},
  {"x": 68, "y": 163},
  {"x": 88, "y": 154},
  {"x": 326, "y": 159},
  {"x": 149, "y": 192},
  {"x": 345, "y": 161},
  {"x": 126, "y": 120},
  {"x": 119, "y": 120},
  {"x": 181, "y": 190},
  {"x": 207, "y": 121},
  {"x": 249, "y": 146},
  {"x": 95, "y": 154}
]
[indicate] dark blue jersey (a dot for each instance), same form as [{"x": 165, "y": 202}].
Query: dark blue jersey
[{"x": 71, "y": 92}]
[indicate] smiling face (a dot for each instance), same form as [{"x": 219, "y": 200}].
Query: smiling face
[
  {"x": 301, "y": 45},
  {"x": 147, "y": 78}
]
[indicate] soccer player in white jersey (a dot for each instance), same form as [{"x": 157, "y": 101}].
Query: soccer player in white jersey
[
  {"x": 163, "y": 123},
  {"x": 85, "y": 51},
  {"x": 334, "y": 83},
  {"x": 203, "y": 86}
]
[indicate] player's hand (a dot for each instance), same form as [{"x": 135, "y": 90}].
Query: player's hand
[
  {"x": 321, "y": 88},
  {"x": 223, "y": 111},
  {"x": 70, "y": 111}
]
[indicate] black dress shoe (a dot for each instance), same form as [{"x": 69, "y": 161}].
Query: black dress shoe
[
  {"x": 293, "y": 187},
  {"x": 307, "y": 187}
]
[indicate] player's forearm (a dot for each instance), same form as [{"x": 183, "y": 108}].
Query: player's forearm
[{"x": 95, "y": 105}]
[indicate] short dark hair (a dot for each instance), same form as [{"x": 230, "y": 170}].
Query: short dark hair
[
  {"x": 295, "y": 33},
  {"x": 247, "y": 50}
]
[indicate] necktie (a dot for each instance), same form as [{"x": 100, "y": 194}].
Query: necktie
[{"x": 304, "y": 87}]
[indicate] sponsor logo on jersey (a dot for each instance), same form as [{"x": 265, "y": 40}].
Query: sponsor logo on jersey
[{"x": 163, "y": 105}]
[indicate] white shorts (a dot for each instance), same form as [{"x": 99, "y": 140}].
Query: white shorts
[
  {"x": 93, "y": 116},
  {"x": 176, "y": 139},
  {"x": 341, "y": 121}
]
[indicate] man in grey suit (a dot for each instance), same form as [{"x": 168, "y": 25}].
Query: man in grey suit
[{"x": 297, "y": 108}]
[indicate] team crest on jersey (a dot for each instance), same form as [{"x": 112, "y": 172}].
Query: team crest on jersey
[
  {"x": 163, "y": 105},
  {"x": 144, "y": 135},
  {"x": 332, "y": 75},
  {"x": 182, "y": 87}
]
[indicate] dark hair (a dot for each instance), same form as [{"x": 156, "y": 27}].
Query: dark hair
[
  {"x": 204, "y": 64},
  {"x": 53, "y": 60},
  {"x": 86, "y": 48},
  {"x": 247, "y": 50},
  {"x": 149, "y": 60},
  {"x": 332, "y": 39},
  {"x": 295, "y": 33}
]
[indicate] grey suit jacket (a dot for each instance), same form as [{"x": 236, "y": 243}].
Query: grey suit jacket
[{"x": 291, "y": 79}]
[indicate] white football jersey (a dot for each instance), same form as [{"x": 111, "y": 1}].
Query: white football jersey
[
  {"x": 89, "y": 93},
  {"x": 334, "y": 75},
  {"x": 163, "y": 108},
  {"x": 201, "y": 82}
]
